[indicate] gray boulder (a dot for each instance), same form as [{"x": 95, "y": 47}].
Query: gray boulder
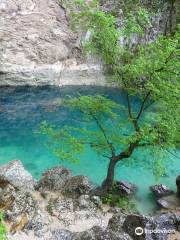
[
  {"x": 77, "y": 186},
  {"x": 19, "y": 208},
  {"x": 53, "y": 179},
  {"x": 133, "y": 222},
  {"x": 97, "y": 201},
  {"x": 7, "y": 196},
  {"x": 169, "y": 202},
  {"x": 161, "y": 190},
  {"x": 84, "y": 202},
  {"x": 96, "y": 233},
  {"x": 163, "y": 203},
  {"x": 165, "y": 221},
  {"x": 15, "y": 174},
  {"x": 60, "y": 207},
  {"x": 116, "y": 223},
  {"x": 39, "y": 224},
  {"x": 23, "y": 203},
  {"x": 124, "y": 188}
]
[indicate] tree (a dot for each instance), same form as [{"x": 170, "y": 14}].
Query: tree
[{"x": 147, "y": 70}]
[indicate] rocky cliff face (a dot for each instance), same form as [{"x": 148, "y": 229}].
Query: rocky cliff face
[{"x": 38, "y": 48}]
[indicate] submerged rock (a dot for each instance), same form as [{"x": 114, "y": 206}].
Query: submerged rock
[
  {"x": 171, "y": 202},
  {"x": 53, "y": 179},
  {"x": 163, "y": 203},
  {"x": 77, "y": 186},
  {"x": 15, "y": 174},
  {"x": 161, "y": 190}
]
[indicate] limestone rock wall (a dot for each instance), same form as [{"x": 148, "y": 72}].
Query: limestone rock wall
[{"x": 37, "y": 46}]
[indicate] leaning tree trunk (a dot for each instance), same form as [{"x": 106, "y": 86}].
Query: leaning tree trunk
[{"x": 108, "y": 182}]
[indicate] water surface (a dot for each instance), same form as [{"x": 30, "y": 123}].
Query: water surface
[{"x": 22, "y": 109}]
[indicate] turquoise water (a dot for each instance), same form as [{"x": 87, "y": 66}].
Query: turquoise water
[{"x": 23, "y": 109}]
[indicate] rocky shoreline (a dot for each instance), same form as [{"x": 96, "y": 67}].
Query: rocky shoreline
[{"x": 60, "y": 207}]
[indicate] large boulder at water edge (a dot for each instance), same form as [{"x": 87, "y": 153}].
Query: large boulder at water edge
[
  {"x": 124, "y": 188},
  {"x": 53, "y": 179},
  {"x": 76, "y": 186},
  {"x": 14, "y": 173},
  {"x": 161, "y": 190}
]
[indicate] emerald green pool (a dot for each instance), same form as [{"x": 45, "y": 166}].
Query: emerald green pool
[{"x": 22, "y": 109}]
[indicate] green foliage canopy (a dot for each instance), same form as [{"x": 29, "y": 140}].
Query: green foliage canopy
[{"x": 149, "y": 70}]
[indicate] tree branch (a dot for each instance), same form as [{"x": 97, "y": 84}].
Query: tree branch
[
  {"x": 166, "y": 61},
  {"x": 112, "y": 149},
  {"x": 134, "y": 120},
  {"x": 129, "y": 106},
  {"x": 143, "y": 105},
  {"x": 127, "y": 153}
]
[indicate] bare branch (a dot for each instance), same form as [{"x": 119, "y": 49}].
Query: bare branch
[
  {"x": 166, "y": 61},
  {"x": 143, "y": 105},
  {"x": 106, "y": 156},
  {"x": 129, "y": 106},
  {"x": 110, "y": 145}
]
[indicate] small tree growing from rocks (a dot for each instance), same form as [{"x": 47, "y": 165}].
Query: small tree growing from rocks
[{"x": 145, "y": 70}]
